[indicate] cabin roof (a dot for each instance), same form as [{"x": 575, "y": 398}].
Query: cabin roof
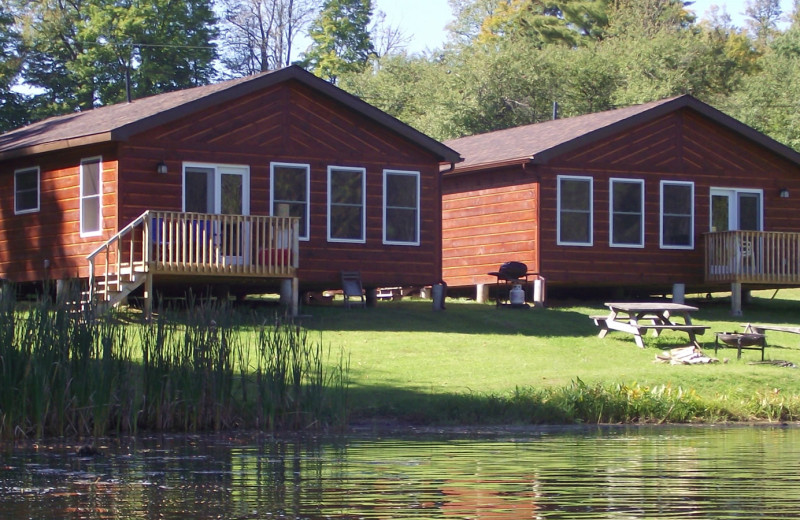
[
  {"x": 540, "y": 142},
  {"x": 121, "y": 121}
]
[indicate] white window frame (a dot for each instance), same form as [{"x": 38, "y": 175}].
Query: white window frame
[
  {"x": 219, "y": 170},
  {"x": 661, "y": 215},
  {"x": 583, "y": 178},
  {"x": 611, "y": 182},
  {"x": 305, "y": 234},
  {"x": 417, "y": 177},
  {"x": 717, "y": 190},
  {"x": 99, "y": 196},
  {"x": 23, "y": 171},
  {"x": 363, "y": 171}
]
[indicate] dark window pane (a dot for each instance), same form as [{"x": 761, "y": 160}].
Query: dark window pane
[
  {"x": 346, "y": 222},
  {"x": 346, "y": 187},
  {"x": 677, "y": 231},
  {"x": 401, "y": 190},
  {"x": 627, "y": 229},
  {"x": 26, "y": 197},
  {"x": 401, "y": 225},
  {"x": 628, "y": 197},
  {"x": 196, "y": 190},
  {"x": 575, "y": 195},
  {"x": 677, "y": 199},
  {"x": 575, "y": 227}
]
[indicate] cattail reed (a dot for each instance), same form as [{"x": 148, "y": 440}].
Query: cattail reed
[{"x": 67, "y": 372}]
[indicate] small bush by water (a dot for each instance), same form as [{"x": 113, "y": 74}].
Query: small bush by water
[{"x": 64, "y": 374}]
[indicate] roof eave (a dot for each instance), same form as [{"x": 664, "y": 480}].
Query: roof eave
[
  {"x": 54, "y": 146},
  {"x": 517, "y": 161}
]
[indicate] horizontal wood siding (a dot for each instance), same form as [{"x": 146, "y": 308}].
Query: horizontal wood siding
[
  {"x": 683, "y": 146},
  {"x": 53, "y": 233},
  {"x": 293, "y": 124},
  {"x": 488, "y": 218}
]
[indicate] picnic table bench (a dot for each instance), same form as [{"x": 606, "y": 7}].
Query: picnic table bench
[
  {"x": 637, "y": 318},
  {"x": 757, "y": 328}
]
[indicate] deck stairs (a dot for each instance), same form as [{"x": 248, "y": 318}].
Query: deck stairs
[{"x": 110, "y": 292}]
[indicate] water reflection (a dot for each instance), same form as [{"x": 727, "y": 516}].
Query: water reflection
[{"x": 706, "y": 472}]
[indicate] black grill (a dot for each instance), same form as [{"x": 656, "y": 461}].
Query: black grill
[{"x": 513, "y": 270}]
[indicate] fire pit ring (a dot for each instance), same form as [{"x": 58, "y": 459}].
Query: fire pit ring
[{"x": 742, "y": 341}]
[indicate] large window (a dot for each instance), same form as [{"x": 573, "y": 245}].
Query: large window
[
  {"x": 290, "y": 185},
  {"x": 677, "y": 215},
  {"x": 91, "y": 196},
  {"x": 400, "y": 207},
  {"x": 575, "y": 210},
  {"x": 626, "y": 206},
  {"x": 26, "y": 190},
  {"x": 346, "y": 203}
]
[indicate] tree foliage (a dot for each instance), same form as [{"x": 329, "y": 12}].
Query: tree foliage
[
  {"x": 341, "y": 41},
  {"x": 85, "y": 53},
  {"x": 13, "y": 110}
]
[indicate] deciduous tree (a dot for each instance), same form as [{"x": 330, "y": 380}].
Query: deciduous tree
[
  {"x": 260, "y": 35},
  {"x": 340, "y": 38},
  {"x": 85, "y": 53},
  {"x": 13, "y": 111}
]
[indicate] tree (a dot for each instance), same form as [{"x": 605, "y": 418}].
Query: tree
[
  {"x": 341, "y": 40},
  {"x": 468, "y": 18},
  {"x": 259, "y": 35},
  {"x": 13, "y": 111},
  {"x": 387, "y": 39},
  {"x": 542, "y": 23},
  {"x": 86, "y": 53},
  {"x": 762, "y": 20}
]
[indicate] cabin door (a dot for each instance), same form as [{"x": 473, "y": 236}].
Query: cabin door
[
  {"x": 222, "y": 190},
  {"x": 736, "y": 210}
]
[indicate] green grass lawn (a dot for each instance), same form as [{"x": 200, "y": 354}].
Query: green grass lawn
[{"x": 405, "y": 357}]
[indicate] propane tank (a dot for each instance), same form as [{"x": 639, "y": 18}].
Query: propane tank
[{"x": 516, "y": 296}]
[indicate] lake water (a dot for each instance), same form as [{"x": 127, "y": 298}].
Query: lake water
[{"x": 609, "y": 473}]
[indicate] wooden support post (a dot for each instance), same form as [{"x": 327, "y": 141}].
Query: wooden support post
[
  {"x": 736, "y": 299},
  {"x": 148, "y": 296},
  {"x": 482, "y": 292},
  {"x": 286, "y": 292},
  {"x": 678, "y": 293},
  {"x": 295, "y": 306}
]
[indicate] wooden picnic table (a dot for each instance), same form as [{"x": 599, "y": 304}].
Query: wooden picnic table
[{"x": 638, "y": 317}]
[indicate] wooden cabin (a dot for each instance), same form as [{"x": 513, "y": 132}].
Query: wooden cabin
[
  {"x": 626, "y": 202},
  {"x": 278, "y": 180}
]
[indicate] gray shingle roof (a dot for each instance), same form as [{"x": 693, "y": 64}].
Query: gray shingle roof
[{"x": 539, "y": 142}]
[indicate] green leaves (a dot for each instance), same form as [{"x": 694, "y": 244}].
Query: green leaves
[
  {"x": 341, "y": 39},
  {"x": 85, "y": 53}
]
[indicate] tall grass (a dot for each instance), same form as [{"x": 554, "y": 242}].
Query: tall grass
[{"x": 65, "y": 373}]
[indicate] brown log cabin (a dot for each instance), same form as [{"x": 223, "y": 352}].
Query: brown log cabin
[
  {"x": 274, "y": 181},
  {"x": 627, "y": 202}
]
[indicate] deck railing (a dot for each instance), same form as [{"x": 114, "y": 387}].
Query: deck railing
[
  {"x": 768, "y": 257},
  {"x": 177, "y": 243}
]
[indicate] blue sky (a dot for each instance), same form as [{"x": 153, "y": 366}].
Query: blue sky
[{"x": 424, "y": 21}]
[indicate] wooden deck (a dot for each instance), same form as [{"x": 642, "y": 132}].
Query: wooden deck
[
  {"x": 193, "y": 244},
  {"x": 753, "y": 257}
]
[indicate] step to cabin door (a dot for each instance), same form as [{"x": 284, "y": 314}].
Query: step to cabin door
[
  {"x": 222, "y": 190},
  {"x": 735, "y": 210}
]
